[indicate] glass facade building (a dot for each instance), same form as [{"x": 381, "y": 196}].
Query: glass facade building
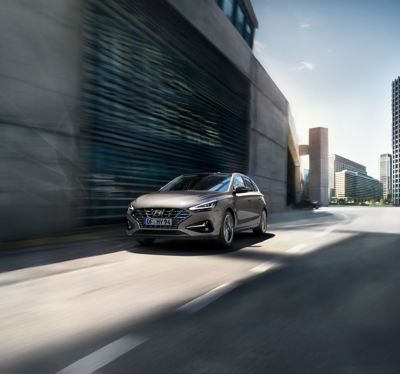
[
  {"x": 338, "y": 163},
  {"x": 352, "y": 186},
  {"x": 396, "y": 141}
]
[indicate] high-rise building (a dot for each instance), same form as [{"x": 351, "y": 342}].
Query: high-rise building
[
  {"x": 338, "y": 163},
  {"x": 385, "y": 174},
  {"x": 396, "y": 141},
  {"x": 318, "y": 153}
]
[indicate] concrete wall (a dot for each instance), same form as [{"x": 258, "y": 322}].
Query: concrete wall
[
  {"x": 209, "y": 19},
  {"x": 272, "y": 130},
  {"x": 319, "y": 165},
  {"x": 269, "y": 126},
  {"x": 40, "y": 45},
  {"x": 39, "y": 80}
]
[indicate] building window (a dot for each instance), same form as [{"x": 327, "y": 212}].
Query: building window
[
  {"x": 248, "y": 34},
  {"x": 240, "y": 17},
  {"x": 227, "y": 7},
  {"x": 235, "y": 12}
]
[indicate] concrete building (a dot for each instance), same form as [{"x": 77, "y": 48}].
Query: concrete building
[
  {"x": 396, "y": 141},
  {"x": 356, "y": 187},
  {"x": 318, "y": 173},
  {"x": 385, "y": 173},
  {"x": 110, "y": 99},
  {"x": 338, "y": 163}
]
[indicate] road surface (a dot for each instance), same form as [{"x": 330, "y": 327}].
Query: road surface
[{"x": 318, "y": 294}]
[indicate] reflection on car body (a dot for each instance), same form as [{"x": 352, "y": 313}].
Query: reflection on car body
[{"x": 199, "y": 206}]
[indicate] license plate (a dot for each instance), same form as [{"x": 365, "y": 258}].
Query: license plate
[{"x": 158, "y": 221}]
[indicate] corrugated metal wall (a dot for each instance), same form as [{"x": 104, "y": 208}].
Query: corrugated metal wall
[{"x": 158, "y": 101}]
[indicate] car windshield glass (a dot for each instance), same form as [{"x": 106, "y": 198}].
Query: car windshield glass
[{"x": 219, "y": 183}]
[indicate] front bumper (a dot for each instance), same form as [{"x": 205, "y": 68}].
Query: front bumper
[{"x": 192, "y": 227}]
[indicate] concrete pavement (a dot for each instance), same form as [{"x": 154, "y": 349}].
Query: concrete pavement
[{"x": 261, "y": 303}]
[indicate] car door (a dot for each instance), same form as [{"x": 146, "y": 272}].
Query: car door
[
  {"x": 254, "y": 199},
  {"x": 242, "y": 203}
]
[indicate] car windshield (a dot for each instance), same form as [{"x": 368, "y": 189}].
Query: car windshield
[{"x": 201, "y": 182}]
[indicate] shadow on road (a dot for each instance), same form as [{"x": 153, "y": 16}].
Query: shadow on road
[
  {"x": 334, "y": 310},
  {"x": 52, "y": 254},
  {"x": 201, "y": 248}
]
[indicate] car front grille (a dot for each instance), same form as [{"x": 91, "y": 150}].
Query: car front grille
[{"x": 177, "y": 215}]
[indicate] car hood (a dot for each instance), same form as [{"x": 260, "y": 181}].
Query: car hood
[{"x": 175, "y": 199}]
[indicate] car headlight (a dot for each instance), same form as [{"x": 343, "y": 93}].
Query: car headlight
[
  {"x": 131, "y": 208},
  {"x": 204, "y": 206}
]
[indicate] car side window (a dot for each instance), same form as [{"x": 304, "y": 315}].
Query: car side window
[
  {"x": 238, "y": 182},
  {"x": 248, "y": 184}
]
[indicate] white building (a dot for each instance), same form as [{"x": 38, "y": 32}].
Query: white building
[{"x": 385, "y": 173}]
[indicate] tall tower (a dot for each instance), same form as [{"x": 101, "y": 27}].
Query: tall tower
[
  {"x": 396, "y": 141},
  {"x": 385, "y": 174},
  {"x": 319, "y": 165}
]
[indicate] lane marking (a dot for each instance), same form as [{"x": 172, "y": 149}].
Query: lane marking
[
  {"x": 202, "y": 301},
  {"x": 297, "y": 248},
  {"x": 103, "y": 356},
  {"x": 268, "y": 265}
]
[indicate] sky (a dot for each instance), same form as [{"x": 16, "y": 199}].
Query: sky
[{"x": 335, "y": 62}]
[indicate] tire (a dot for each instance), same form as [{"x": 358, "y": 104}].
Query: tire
[
  {"x": 145, "y": 242},
  {"x": 261, "y": 229},
  {"x": 227, "y": 230}
]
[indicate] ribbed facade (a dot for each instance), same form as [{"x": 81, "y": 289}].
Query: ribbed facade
[
  {"x": 159, "y": 101},
  {"x": 396, "y": 141}
]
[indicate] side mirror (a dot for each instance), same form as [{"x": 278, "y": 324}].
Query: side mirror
[{"x": 240, "y": 190}]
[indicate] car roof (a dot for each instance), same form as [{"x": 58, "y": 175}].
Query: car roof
[{"x": 211, "y": 173}]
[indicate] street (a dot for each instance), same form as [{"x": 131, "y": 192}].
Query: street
[{"x": 318, "y": 294}]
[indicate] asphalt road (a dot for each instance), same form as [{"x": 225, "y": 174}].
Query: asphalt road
[{"x": 318, "y": 294}]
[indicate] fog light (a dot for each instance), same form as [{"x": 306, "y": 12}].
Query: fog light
[{"x": 203, "y": 226}]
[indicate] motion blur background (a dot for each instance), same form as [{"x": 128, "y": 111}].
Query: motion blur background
[{"x": 102, "y": 101}]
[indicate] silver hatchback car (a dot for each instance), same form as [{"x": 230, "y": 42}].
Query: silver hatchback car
[{"x": 199, "y": 206}]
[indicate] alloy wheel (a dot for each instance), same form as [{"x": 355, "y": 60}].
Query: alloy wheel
[{"x": 228, "y": 228}]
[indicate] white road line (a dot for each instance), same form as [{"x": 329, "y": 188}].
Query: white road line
[
  {"x": 103, "y": 356},
  {"x": 297, "y": 248},
  {"x": 202, "y": 301},
  {"x": 268, "y": 265}
]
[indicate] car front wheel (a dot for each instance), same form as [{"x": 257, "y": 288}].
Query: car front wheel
[
  {"x": 261, "y": 229},
  {"x": 227, "y": 230}
]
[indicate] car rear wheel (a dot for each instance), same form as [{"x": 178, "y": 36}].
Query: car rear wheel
[
  {"x": 227, "y": 230},
  {"x": 145, "y": 241},
  {"x": 261, "y": 229}
]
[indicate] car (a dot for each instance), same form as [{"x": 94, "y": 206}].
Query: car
[
  {"x": 199, "y": 206},
  {"x": 307, "y": 204}
]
